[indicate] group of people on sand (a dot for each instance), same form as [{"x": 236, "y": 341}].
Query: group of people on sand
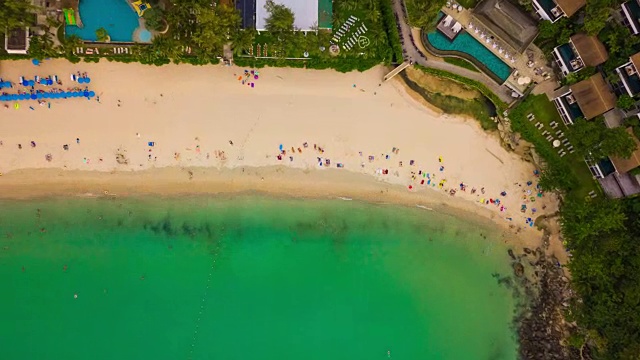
[{"x": 422, "y": 178}]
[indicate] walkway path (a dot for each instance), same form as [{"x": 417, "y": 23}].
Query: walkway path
[{"x": 411, "y": 53}]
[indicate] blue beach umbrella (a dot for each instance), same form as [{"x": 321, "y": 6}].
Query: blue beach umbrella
[
  {"x": 3, "y": 97},
  {"x": 35, "y": 62},
  {"x": 92, "y": 93},
  {"x": 32, "y": 83},
  {"x": 49, "y": 82},
  {"x": 34, "y": 96},
  {"x": 25, "y": 82},
  {"x": 86, "y": 93},
  {"x": 87, "y": 80},
  {"x": 80, "y": 80}
]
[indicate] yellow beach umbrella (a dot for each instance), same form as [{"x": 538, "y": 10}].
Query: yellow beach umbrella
[{"x": 16, "y": 106}]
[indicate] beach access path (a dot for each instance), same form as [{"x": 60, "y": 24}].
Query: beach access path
[{"x": 411, "y": 48}]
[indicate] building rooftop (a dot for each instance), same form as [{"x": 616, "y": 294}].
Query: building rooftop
[
  {"x": 570, "y": 7},
  {"x": 625, "y": 165},
  {"x": 17, "y": 39},
  {"x": 508, "y": 21},
  {"x": 635, "y": 60},
  {"x": 247, "y": 9},
  {"x": 591, "y": 50},
  {"x": 594, "y": 96},
  {"x": 305, "y": 13}
]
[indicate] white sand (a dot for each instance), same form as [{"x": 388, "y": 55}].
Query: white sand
[{"x": 195, "y": 112}]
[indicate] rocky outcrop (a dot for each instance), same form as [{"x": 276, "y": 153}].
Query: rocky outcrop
[{"x": 542, "y": 330}]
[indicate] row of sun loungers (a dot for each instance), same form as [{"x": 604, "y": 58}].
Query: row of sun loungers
[
  {"x": 550, "y": 137},
  {"x": 344, "y": 30}
]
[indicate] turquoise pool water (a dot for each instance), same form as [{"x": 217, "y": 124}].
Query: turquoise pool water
[
  {"x": 467, "y": 44},
  {"x": 116, "y": 16}
]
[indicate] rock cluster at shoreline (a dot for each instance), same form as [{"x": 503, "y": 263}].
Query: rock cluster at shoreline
[{"x": 542, "y": 329}]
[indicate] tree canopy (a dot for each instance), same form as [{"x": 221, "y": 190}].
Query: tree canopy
[
  {"x": 280, "y": 19},
  {"x": 423, "y": 13},
  {"x": 604, "y": 239},
  {"x": 153, "y": 18},
  {"x": 595, "y": 139},
  {"x": 15, "y": 13}
]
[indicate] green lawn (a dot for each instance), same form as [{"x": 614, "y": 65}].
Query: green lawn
[
  {"x": 461, "y": 63},
  {"x": 545, "y": 112}
]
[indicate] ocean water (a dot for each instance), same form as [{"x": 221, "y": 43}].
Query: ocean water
[{"x": 248, "y": 278}]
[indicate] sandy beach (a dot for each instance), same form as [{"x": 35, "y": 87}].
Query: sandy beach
[{"x": 186, "y": 129}]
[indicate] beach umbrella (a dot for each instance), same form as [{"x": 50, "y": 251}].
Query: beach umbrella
[
  {"x": 32, "y": 83},
  {"x": 92, "y": 93},
  {"x": 16, "y": 106},
  {"x": 49, "y": 82},
  {"x": 87, "y": 80},
  {"x": 39, "y": 95},
  {"x": 86, "y": 93},
  {"x": 79, "y": 94},
  {"x": 35, "y": 62},
  {"x": 25, "y": 82},
  {"x": 34, "y": 96},
  {"x": 3, "y": 98}
]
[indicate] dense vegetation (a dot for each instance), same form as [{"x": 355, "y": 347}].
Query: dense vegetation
[
  {"x": 196, "y": 32},
  {"x": 604, "y": 239}
]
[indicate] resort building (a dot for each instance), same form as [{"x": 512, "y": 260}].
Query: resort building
[
  {"x": 507, "y": 22},
  {"x": 310, "y": 15},
  {"x": 630, "y": 14},
  {"x": 582, "y": 50},
  {"x": 629, "y": 75},
  {"x": 617, "y": 176},
  {"x": 17, "y": 41},
  {"x": 553, "y": 10},
  {"x": 247, "y": 9},
  {"x": 586, "y": 99}
]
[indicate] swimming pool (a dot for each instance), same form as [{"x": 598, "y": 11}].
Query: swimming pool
[
  {"x": 116, "y": 16},
  {"x": 465, "y": 43}
]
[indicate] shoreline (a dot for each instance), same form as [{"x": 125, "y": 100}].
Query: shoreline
[{"x": 275, "y": 181}]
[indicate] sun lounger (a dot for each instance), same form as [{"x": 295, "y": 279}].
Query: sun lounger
[
  {"x": 571, "y": 151},
  {"x": 550, "y": 137},
  {"x": 563, "y": 154},
  {"x": 545, "y": 133}
]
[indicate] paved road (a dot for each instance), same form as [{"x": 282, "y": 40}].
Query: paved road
[{"x": 412, "y": 53}]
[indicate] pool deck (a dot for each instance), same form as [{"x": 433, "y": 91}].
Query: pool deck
[{"x": 518, "y": 61}]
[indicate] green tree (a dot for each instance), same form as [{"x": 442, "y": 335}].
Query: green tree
[
  {"x": 280, "y": 20},
  {"x": 69, "y": 45},
  {"x": 625, "y": 102},
  {"x": 243, "y": 40},
  {"x": 596, "y": 16},
  {"x": 42, "y": 46},
  {"x": 604, "y": 238},
  {"x": 595, "y": 139},
  {"x": 15, "y": 13},
  {"x": 154, "y": 18},
  {"x": 102, "y": 35},
  {"x": 423, "y": 13},
  {"x": 216, "y": 27}
]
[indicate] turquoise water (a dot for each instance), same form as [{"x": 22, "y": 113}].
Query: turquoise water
[
  {"x": 247, "y": 278},
  {"x": 468, "y": 44},
  {"x": 116, "y": 16}
]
